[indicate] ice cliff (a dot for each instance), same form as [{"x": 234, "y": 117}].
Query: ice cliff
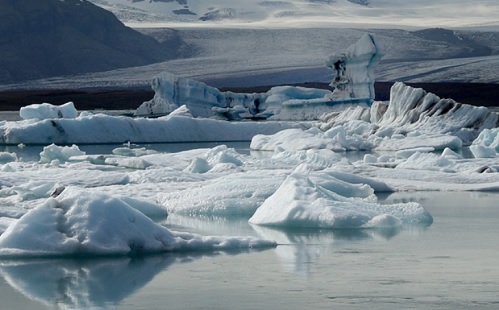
[{"x": 353, "y": 84}]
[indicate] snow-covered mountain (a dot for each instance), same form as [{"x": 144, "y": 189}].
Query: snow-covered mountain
[{"x": 305, "y": 13}]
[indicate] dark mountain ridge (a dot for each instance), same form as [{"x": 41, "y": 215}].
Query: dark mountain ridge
[{"x": 43, "y": 38}]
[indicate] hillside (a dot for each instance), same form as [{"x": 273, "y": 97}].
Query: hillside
[
  {"x": 306, "y": 13},
  {"x": 42, "y": 38}
]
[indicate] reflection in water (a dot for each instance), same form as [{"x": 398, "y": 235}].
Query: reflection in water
[
  {"x": 72, "y": 283},
  {"x": 299, "y": 249},
  {"x": 81, "y": 283},
  {"x": 85, "y": 283}
]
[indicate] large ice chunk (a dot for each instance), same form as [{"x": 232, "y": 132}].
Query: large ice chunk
[
  {"x": 48, "y": 111},
  {"x": 415, "y": 113},
  {"x": 93, "y": 223},
  {"x": 353, "y": 83},
  {"x": 172, "y": 91},
  {"x": 354, "y": 69},
  {"x": 299, "y": 202},
  {"x": 102, "y": 128},
  {"x": 486, "y": 145}
]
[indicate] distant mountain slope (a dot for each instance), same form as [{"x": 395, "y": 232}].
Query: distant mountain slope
[
  {"x": 309, "y": 13},
  {"x": 226, "y": 57},
  {"x": 41, "y": 38}
]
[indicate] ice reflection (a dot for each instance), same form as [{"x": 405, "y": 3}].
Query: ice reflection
[
  {"x": 87, "y": 283},
  {"x": 299, "y": 249},
  {"x": 82, "y": 283}
]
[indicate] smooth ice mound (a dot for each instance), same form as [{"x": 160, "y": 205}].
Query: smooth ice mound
[
  {"x": 79, "y": 223},
  {"x": 48, "y": 111},
  {"x": 299, "y": 202}
]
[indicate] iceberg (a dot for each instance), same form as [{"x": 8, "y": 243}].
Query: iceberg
[
  {"x": 413, "y": 110},
  {"x": 100, "y": 128},
  {"x": 354, "y": 69},
  {"x": 353, "y": 84},
  {"x": 412, "y": 119},
  {"x": 486, "y": 145},
  {"x": 48, "y": 111},
  {"x": 79, "y": 223},
  {"x": 299, "y": 202},
  {"x": 172, "y": 91}
]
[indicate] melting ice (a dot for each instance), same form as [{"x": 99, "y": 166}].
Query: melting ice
[{"x": 69, "y": 203}]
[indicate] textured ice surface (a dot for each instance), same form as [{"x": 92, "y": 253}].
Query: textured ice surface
[{"x": 413, "y": 119}]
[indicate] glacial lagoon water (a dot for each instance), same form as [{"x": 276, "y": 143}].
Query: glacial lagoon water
[{"x": 452, "y": 264}]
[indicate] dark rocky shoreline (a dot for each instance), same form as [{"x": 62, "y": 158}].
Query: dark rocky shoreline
[{"x": 479, "y": 94}]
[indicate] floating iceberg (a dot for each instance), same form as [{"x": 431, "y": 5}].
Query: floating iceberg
[
  {"x": 301, "y": 203},
  {"x": 48, "y": 111},
  {"x": 100, "y": 128},
  {"x": 412, "y": 119},
  {"x": 413, "y": 110},
  {"x": 79, "y": 223},
  {"x": 353, "y": 84},
  {"x": 354, "y": 70},
  {"x": 172, "y": 91}
]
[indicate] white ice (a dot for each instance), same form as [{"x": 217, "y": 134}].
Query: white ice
[
  {"x": 299, "y": 202},
  {"x": 89, "y": 223},
  {"x": 412, "y": 119},
  {"x": 69, "y": 203},
  {"x": 48, "y": 111},
  {"x": 100, "y": 128},
  {"x": 130, "y": 190},
  {"x": 354, "y": 69}
]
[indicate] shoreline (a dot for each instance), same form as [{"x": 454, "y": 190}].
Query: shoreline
[{"x": 477, "y": 94}]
